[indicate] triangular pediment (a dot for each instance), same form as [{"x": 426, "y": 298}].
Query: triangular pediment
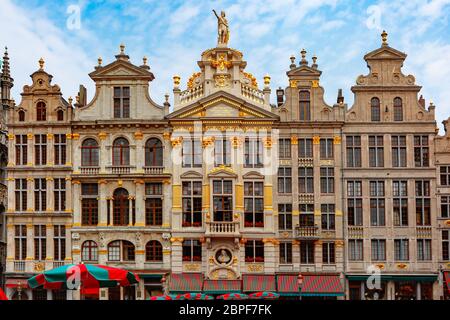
[
  {"x": 121, "y": 69},
  {"x": 385, "y": 53},
  {"x": 191, "y": 175},
  {"x": 253, "y": 175},
  {"x": 222, "y": 172},
  {"x": 304, "y": 71},
  {"x": 222, "y": 105}
]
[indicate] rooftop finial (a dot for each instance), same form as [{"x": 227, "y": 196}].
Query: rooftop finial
[
  {"x": 144, "y": 60},
  {"x": 314, "y": 59},
  {"x": 384, "y": 36},
  {"x": 100, "y": 61},
  {"x": 303, "y": 61},
  {"x": 41, "y": 63},
  {"x": 223, "y": 29},
  {"x": 292, "y": 66},
  {"x": 122, "y": 48}
]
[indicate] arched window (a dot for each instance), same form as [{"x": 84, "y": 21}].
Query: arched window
[
  {"x": 153, "y": 153},
  {"x": 121, "y": 207},
  {"x": 89, "y": 251},
  {"x": 375, "y": 109},
  {"x": 60, "y": 115},
  {"x": 21, "y": 115},
  {"x": 121, "y": 152},
  {"x": 89, "y": 153},
  {"x": 398, "y": 109},
  {"x": 41, "y": 111},
  {"x": 153, "y": 251},
  {"x": 121, "y": 250},
  {"x": 305, "y": 105}
]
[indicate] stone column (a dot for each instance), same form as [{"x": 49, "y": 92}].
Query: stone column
[
  {"x": 69, "y": 195},
  {"x": 177, "y": 252},
  {"x": 140, "y": 203},
  {"x": 30, "y": 248},
  {"x": 139, "y": 152},
  {"x": 77, "y": 203},
  {"x": 176, "y": 185},
  {"x": 69, "y": 160},
  {"x": 104, "y": 160},
  {"x": 12, "y": 155},
  {"x": 130, "y": 210},
  {"x": 50, "y": 194},
  {"x": 30, "y": 196},
  {"x": 68, "y": 248},
  {"x": 50, "y": 150},
  {"x": 269, "y": 256},
  {"x": 111, "y": 208},
  {"x": 49, "y": 247},
  {"x": 10, "y": 248},
  {"x": 166, "y": 222},
  {"x": 102, "y": 204},
  {"x": 268, "y": 184},
  {"x": 11, "y": 200},
  {"x": 30, "y": 150}
]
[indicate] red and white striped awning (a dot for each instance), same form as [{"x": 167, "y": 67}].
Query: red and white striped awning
[{"x": 322, "y": 285}]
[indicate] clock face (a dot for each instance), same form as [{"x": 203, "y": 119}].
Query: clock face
[{"x": 223, "y": 256}]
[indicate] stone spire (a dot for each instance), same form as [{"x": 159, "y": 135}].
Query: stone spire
[{"x": 6, "y": 80}]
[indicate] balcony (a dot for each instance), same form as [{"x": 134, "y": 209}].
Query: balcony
[
  {"x": 222, "y": 229},
  {"x": 307, "y": 233},
  {"x": 19, "y": 266},
  {"x": 423, "y": 232},
  {"x": 90, "y": 170},
  {"x": 153, "y": 170},
  {"x": 121, "y": 169},
  {"x": 356, "y": 232},
  {"x": 57, "y": 264}
]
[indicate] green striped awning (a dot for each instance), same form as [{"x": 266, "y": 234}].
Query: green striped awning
[
  {"x": 186, "y": 282},
  {"x": 221, "y": 286},
  {"x": 322, "y": 285},
  {"x": 288, "y": 284},
  {"x": 257, "y": 283}
]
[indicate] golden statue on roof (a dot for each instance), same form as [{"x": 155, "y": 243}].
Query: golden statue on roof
[{"x": 222, "y": 28}]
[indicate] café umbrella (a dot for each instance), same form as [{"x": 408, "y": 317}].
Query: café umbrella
[
  {"x": 264, "y": 295},
  {"x": 233, "y": 296},
  {"x": 83, "y": 275},
  {"x": 197, "y": 296},
  {"x": 3, "y": 295}
]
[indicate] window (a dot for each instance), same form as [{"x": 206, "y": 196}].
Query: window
[
  {"x": 304, "y": 105},
  {"x": 153, "y": 251},
  {"x": 153, "y": 153},
  {"x": 59, "y": 194},
  {"x": 121, "y": 152},
  {"x": 398, "y": 151},
  {"x": 421, "y": 151},
  {"x": 423, "y": 203},
  {"x": 401, "y": 249},
  {"x": 326, "y": 148},
  {"x": 253, "y": 153},
  {"x": 306, "y": 218},
  {"x": 121, "y": 207},
  {"x": 41, "y": 111},
  {"x": 121, "y": 250},
  {"x": 128, "y": 251},
  {"x": 446, "y": 245},
  {"x": 121, "y": 102},
  {"x": 375, "y": 109},
  {"x": 254, "y": 251},
  {"x": 21, "y": 149},
  {"x": 328, "y": 253},
  {"x": 59, "y": 243},
  {"x": 192, "y": 250},
  {"x": 284, "y": 148},
  {"x": 398, "y": 109},
  {"x": 284, "y": 180},
  {"x": 253, "y": 204},
  {"x": 89, "y": 251},
  {"x": 192, "y": 153},
  {"x": 400, "y": 203},
  {"x": 89, "y": 153},
  {"x": 222, "y": 152},
  {"x": 21, "y": 194},
  {"x": 285, "y": 252},
  {"x": 354, "y": 203},
  {"x": 153, "y": 204},
  {"x": 40, "y": 149},
  {"x": 378, "y": 249},
  {"x": 327, "y": 180},
  {"x": 307, "y": 252},
  {"x": 21, "y": 115},
  {"x": 353, "y": 151},
  {"x": 306, "y": 180},
  {"x": 445, "y": 175},
  {"x": 376, "y": 151},
  {"x": 192, "y": 203},
  {"x": 60, "y": 115},
  {"x": 377, "y": 204},
  {"x": 60, "y": 149},
  {"x": 223, "y": 200},
  {"x": 285, "y": 216},
  {"x": 328, "y": 216},
  {"x": 20, "y": 242},
  {"x": 89, "y": 204},
  {"x": 355, "y": 250},
  {"x": 40, "y": 194},
  {"x": 445, "y": 206},
  {"x": 305, "y": 148},
  {"x": 424, "y": 249},
  {"x": 40, "y": 242}
]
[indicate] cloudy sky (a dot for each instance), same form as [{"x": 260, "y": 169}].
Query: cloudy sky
[{"x": 72, "y": 34}]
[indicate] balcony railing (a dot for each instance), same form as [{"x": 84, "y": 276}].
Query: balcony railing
[
  {"x": 121, "y": 169},
  {"x": 423, "y": 232},
  {"x": 356, "y": 232},
  {"x": 153, "y": 170},
  {"x": 19, "y": 266},
  {"x": 307, "y": 232},
  {"x": 222, "y": 228},
  {"x": 57, "y": 264},
  {"x": 90, "y": 170}
]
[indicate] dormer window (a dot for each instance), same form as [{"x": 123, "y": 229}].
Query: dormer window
[
  {"x": 375, "y": 109},
  {"x": 398, "y": 109},
  {"x": 21, "y": 115},
  {"x": 60, "y": 115},
  {"x": 305, "y": 105},
  {"x": 41, "y": 111},
  {"x": 121, "y": 102}
]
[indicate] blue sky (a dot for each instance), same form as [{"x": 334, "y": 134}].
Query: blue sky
[{"x": 172, "y": 34}]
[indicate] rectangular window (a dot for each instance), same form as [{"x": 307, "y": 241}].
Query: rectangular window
[
  {"x": 223, "y": 200},
  {"x": 401, "y": 250},
  {"x": 354, "y": 203},
  {"x": 377, "y": 204},
  {"x": 446, "y": 245},
  {"x": 376, "y": 151},
  {"x": 59, "y": 242},
  {"x": 305, "y": 180},
  {"x": 254, "y": 251},
  {"x": 89, "y": 204},
  {"x": 20, "y": 242},
  {"x": 21, "y": 195},
  {"x": 353, "y": 151},
  {"x": 60, "y": 149},
  {"x": 153, "y": 204},
  {"x": 400, "y": 203},
  {"x": 284, "y": 180},
  {"x": 328, "y": 253},
  {"x": 253, "y": 153},
  {"x": 306, "y": 218},
  {"x": 424, "y": 249},
  {"x": 423, "y": 203},
  {"x": 285, "y": 253},
  {"x": 285, "y": 216},
  {"x": 192, "y": 153},
  {"x": 305, "y": 148},
  {"x": 192, "y": 203},
  {"x": 121, "y": 102},
  {"x": 40, "y": 149},
  {"x": 398, "y": 151},
  {"x": 253, "y": 204},
  {"x": 222, "y": 152},
  {"x": 445, "y": 175},
  {"x": 60, "y": 194},
  {"x": 326, "y": 149},
  {"x": 192, "y": 250},
  {"x": 445, "y": 206},
  {"x": 40, "y": 242},
  {"x": 307, "y": 252},
  {"x": 378, "y": 249},
  {"x": 327, "y": 180},
  {"x": 40, "y": 194},
  {"x": 284, "y": 148},
  {"x": 355, "y": 250},
  {"x": 21, "y": 150},
  {"x": 421, "y": 151},
  {"x": 328, "y": 216}
]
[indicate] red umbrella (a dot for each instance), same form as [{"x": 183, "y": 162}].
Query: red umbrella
[
  {"x": 197, "y": 296},
  {"x": 233, "y": 296},
  {"x": 3, "y": 295},
  {"x": 264, "y": 295}
]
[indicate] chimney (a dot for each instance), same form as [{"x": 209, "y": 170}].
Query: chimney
[
  {"x": 280, "y": 97},
  {"x": 340, "y": 97}
]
